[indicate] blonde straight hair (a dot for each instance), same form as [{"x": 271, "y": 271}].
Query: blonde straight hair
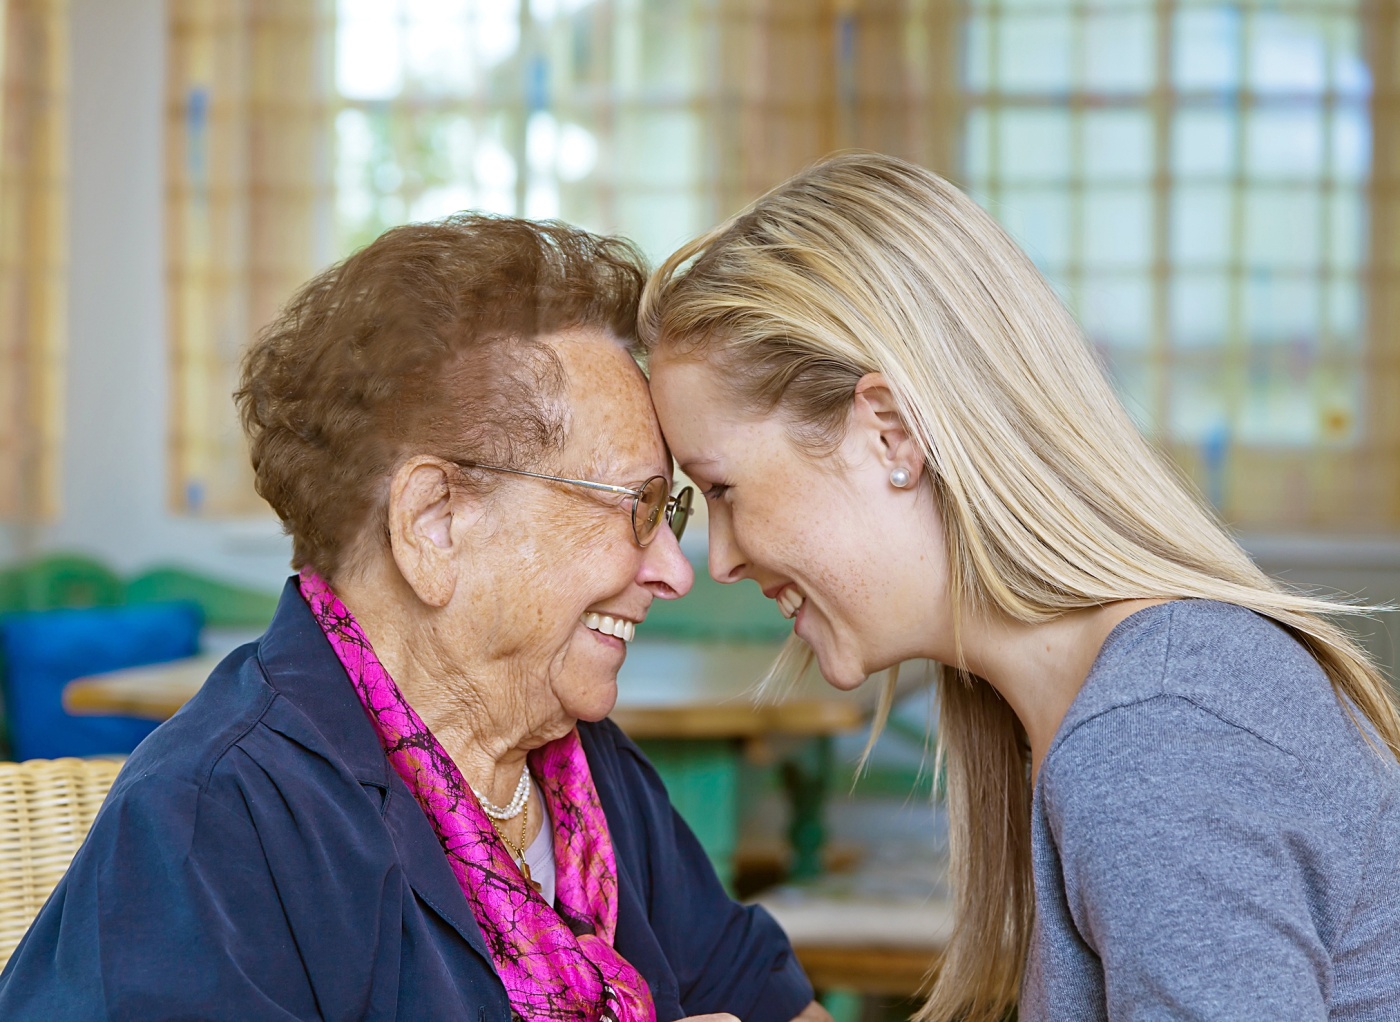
[{"x": 1051, "y": 499}]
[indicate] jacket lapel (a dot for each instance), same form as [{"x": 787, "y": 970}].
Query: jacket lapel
[{"x": 301, "y": 666}]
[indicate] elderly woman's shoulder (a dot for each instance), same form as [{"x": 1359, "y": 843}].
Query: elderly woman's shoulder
[{"x": 235, "y": 744}]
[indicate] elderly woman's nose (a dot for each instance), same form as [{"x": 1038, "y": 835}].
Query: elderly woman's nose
[{"x": 665, "y": 570}]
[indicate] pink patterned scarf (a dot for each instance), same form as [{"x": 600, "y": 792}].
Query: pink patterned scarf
[{"x": 556, "y": 965}]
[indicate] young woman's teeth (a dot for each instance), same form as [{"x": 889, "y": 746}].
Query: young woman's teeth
[
  {"x": 790, "y": 601},
  {"x": 609, "y": 625}
]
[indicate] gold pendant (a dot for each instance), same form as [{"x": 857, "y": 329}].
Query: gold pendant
[{"x": 525, "y": 872}]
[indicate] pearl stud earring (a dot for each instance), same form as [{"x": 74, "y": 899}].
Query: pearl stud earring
[{"x": 899, "y": 478}]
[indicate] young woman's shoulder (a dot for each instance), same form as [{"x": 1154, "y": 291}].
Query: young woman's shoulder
[
  {"x": 1207, "y": 800},
  {"x": 1203, "y": 667}
]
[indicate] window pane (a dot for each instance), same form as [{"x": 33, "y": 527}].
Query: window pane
[
  {"x": 1286, "y": 56},
  {"x": 365, "y": 67},
  {"x": 1116, "y": 313},
  {"x": 1038, "y": 218},
  {"x": 977, "y": 54},
  {"x": 1279, "y": 408},
  {"x": 1281, "y": 310},
  {"x": 1117, "y": 228},
  {"x": 437, "y": 45},
  {"x": 1203, "y": 143},
  {"x": 669, "y": 60},
  {"x": 1199, "y": 408},
  {"x": 1351, "y": 78},
  {"x": 1035, "y": 144},
  {"x": 1282, "y": 229},
  {"x": 1340, "y": 400},
  {"x": 1200, "y": 220},
  {"x": 1135, "y": 379},
  {"x": 1118, "y": 145},
  {"x": 977, "y": 147},
  {"x": 1284, "y": 144},
  {"x": 1347, "y": 230},
  {"x": 661, "y": 221},
  {"x": 659, "y": 149},
  {"x": 1200, "y": 310},
  {"x": 1034, "y": 53},
  {"x": 1344, "y": 313},
  {"x": 1120, "y": 51},
  {"x": 1206, "y": 50},
  {"x": 1351, "y": 144}
]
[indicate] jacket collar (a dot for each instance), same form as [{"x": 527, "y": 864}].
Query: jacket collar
[{"x": 302, "y": 668}]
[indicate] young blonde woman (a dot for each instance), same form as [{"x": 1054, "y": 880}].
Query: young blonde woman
[{"x": 1173, "y": 784}]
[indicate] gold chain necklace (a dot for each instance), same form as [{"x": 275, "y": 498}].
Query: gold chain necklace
[{"x": 517, "y": 851}]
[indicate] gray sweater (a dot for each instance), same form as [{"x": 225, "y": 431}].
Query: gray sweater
[{"x": 1212, "y": 838}]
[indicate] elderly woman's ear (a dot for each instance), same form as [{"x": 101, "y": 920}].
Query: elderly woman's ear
[{"x": 424, "y": 543}]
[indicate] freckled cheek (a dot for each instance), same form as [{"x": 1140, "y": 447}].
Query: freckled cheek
[{"x": 589, "y": 556}]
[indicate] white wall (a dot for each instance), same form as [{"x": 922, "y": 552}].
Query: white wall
[{"x": 113, "y": 500}]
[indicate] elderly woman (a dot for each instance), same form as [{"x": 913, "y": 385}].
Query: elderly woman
[{"x": 404, "y": 801}]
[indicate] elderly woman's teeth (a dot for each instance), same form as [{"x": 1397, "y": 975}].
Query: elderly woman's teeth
[
  {"x": 609, "y": 625},
  {"x": 790, "y": 602}
]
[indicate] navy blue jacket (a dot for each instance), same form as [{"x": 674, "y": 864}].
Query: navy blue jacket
[{"x": 258, "y": 858}]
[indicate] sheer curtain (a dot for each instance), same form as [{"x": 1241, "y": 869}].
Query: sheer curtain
[
  {"x": 1198, "y": 179},
  {"x": 33, "y": 253},
  {"x": 1211, "y": 185},
  {"x": 300, "y": 131},
  {"x": 247, "y": 179},
  {"x": 653, "y": 119}
]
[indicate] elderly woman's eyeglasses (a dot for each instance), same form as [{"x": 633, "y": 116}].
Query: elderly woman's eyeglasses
[{"x": 650, "y": 501}]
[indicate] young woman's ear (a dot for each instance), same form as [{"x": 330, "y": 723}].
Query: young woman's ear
[
  {"x": 424, "y": 544},
  {"x": 875, "y": 412}
]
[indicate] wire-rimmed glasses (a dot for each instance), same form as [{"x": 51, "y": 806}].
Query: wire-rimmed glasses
[{"x": 650, "y": 501}]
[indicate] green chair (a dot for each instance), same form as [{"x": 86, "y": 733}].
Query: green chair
[
  {"x": 225, "y": 605},
  {"x": 11, "y": 591},
  {"x": 61, "y": 580}
]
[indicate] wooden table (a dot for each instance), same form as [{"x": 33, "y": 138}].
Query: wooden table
[
  {"x": 665, "y": 690},
  {"x": 690, "y": 705},
  {"x": 866, "y": 945}
]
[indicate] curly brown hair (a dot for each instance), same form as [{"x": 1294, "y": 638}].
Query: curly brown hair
[{"x": 428, "y": 340}]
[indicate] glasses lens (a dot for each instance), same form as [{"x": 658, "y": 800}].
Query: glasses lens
[
  {"x": 646, "y": 514},
  {"x": 680, "y": 510}
]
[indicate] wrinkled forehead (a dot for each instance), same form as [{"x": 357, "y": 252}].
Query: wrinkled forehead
[{"x": 611, "y": 420}]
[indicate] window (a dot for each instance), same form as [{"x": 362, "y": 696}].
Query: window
[
  {"x": 33, "y": 254},
  {"x": 1208, "y": 183},
  {"x": 589, "y": 112},
  {"x": 1195, "y": 177},
  {"x": 247, "y": 190},
  {"x": 651, "y": 118}
]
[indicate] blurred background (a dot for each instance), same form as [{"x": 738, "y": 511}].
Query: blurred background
[
  {"x": 1214, "y": 189},
  {"x": 1211, "y": 186}
]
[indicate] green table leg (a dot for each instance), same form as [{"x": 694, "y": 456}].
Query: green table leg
[
  {"x": 807, "y": 778},
  {"x": 844, "y": 1005},
  {"x": 702, "y": 778}
]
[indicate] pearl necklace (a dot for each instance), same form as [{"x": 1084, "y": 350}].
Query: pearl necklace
[{"x": 511, "y": 811}]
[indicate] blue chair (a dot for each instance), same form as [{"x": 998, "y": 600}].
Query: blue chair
[{"x": 44, "y": 650}]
